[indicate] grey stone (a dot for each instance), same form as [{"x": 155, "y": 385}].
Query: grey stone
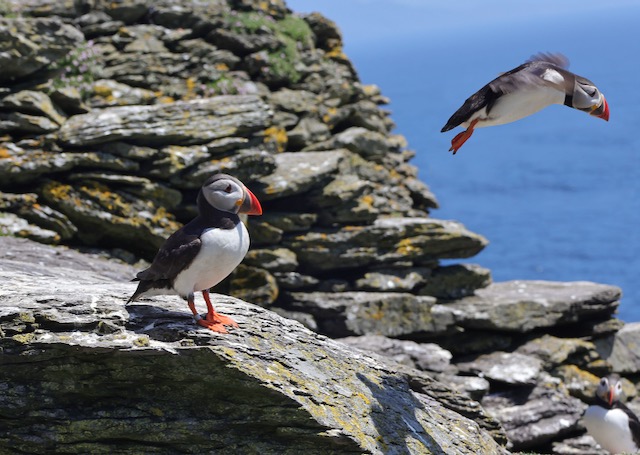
[
  {"x": 579, "y": 445},
  {"x": 25, "y": 124},
  {"x": 272, "y": 259},
  {"x": 472, "y": 386},
  {"x": 28, "y": 45},
  {"x": 424, "y": 356},
  {"x": 554, "y": 351},
  {"x": 309, "y": 130},
  {"x": 184, "y": 122},
  {"x": 386, "y": 241},
  {"x": 12, "y": 224},
  {"x": 393, "y": 280},
  {"x": 32, "y": 102},
  {"x": 621, "y": 350},
  {"x": 296, "y": 173},
  {"x": 455, "y": 281},
  {"x": 107, "y": 92},
  {"x": 277, "y": 379},
  {"x": 533, "y": 416},
  {"x": 504, "y": 367},
  {"x": 20, "y": 166},
  {"x": 522, "y": 306},
  {"x": 341, "y": 314}
]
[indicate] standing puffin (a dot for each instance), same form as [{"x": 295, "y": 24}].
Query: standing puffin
[
  {"x": 540, "y": 82},
  {"x": 613, "y": 425},
  {"x": 204, "y": 251}
]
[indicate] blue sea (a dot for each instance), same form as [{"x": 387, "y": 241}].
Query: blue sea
[{"x": 556, "y": 194}]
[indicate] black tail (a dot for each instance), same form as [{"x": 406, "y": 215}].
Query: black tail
[{"x": 146, "y": 285}]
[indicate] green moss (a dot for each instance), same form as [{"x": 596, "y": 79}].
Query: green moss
[{"x": 292, "y": 32}]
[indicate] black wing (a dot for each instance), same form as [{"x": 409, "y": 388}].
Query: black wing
[
  {"x": 174, "y": 256},
  {"x": 634, "y": 423}
]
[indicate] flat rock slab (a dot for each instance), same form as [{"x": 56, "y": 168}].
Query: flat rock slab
[
  {"x": 622, "y": 350},
  {"x": 505, "y": 367},
  {"x": 388, "y": 240},
  {"x": 340, "y": 314},
  {"x": 533, "y": 416},
  {"x": 523, "y": 306},
  {"x": 154, "y": 382},
  {"x": 182, "y": 122}
]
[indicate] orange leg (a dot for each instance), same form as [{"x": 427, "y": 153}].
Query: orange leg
[
  {"x": 213, "y": 321},
  {"x": 461, "y": 138}
]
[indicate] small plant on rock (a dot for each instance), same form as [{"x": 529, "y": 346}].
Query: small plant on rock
[{"x": 77, "y": 69}]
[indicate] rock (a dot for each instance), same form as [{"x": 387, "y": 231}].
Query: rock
[
  {"x": 309, "y": 130},
  {"x": 393, "y": 280},
  {"x": 296, "y": 281},
  {"x": 424, "y": 356},
  {"x": 294, "y": 101},
  {"x": 554, "y": 351},
  {"x": 110, "y": 217},
  {"x": 21, "y": 166},
  {"x": 108, "y": 92},
  {"x": 281, "y": 379},
  {"x": 28, "y": 207},
  {"x": 345, "y": 200},
  {"x": 522, "y": 306},
  {"x": 472, "y": 386},
  {"x": 621, "y": 350},
  {"x": 505, "y": 367},
  {"x": 579, "y": 383},
  {"x": 69, "y": 99},
  {"x": 341, "y": 314},
  {"x": 288, "y": 221},
  {"x": 534, "y": 416},
  {"x": 455, "y": 281},
  {"x": 386, "y": 241},
  {"x": 32, "y": 102},
  {"x": 19, "y": 124},
  {"x": 28, "y": 45},
  {"x": 183, "y": 122},
  {"x": 580, "y": 445},
  {"x": 253, "y": 283},
  {"x": 296, "y": 173},
  {"x": 327, "y": 34},
  {"x": 13, "y": 225},
  {"x": 272, "y": 259},
  {"x": 160, "y": 195}
]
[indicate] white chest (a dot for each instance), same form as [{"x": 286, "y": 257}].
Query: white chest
[
  {"x": 610, "y": 429},
  {"x": 519, "y": 104},
  {"x": 220, "y": 253}
]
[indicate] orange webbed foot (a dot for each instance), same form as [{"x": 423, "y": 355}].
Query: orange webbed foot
[
  {"x": 213, "y": 326},
  {"x": 461, "y": 138},
  {"x": 217, "y": 318}
]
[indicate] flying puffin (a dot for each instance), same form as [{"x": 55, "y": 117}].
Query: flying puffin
[
  {"x": 540, "y": 82},
  {"x": 613, "y": 425},
  {"x": 204, "y": 251}
]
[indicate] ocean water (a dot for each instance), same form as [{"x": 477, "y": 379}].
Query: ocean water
[{"x": 557, "y": 194}]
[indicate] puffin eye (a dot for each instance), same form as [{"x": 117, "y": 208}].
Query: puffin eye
[{"x": 228, "y": 189}]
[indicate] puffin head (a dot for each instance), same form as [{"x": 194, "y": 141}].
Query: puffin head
[
  {"x": 609, "y": 389},
  {"x": 586, "y": 97},
  {"x": 228, "y": 194}
]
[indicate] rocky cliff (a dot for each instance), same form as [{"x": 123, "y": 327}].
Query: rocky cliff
[{"x": 112, "y": 114}]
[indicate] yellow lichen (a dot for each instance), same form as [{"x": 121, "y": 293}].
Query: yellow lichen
[
  {"x": 4, "y": 153},
  {"x": 277, "y": 136}
]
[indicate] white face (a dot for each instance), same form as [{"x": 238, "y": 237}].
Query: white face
[
  {"x": 609, "y": 389},
  {"x": 586, "y": 96},
  {"x": 224, "y": 194}
]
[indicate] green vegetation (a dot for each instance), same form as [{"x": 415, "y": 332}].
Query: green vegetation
[
  {"x": 291, "y": 31},
  {"x": 77, "y": 69}
]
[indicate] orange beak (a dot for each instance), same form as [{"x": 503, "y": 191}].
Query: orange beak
[
  {"x": 250, "y": 204},
  {"x": 602, "y": 111},
  {"x": 610, "y": 396}
]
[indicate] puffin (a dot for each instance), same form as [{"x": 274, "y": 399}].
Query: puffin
[
  {"x": 204, "y": 251},
  {"x": 541, "y": 81},
  {"x": 613, "y": 425}
]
